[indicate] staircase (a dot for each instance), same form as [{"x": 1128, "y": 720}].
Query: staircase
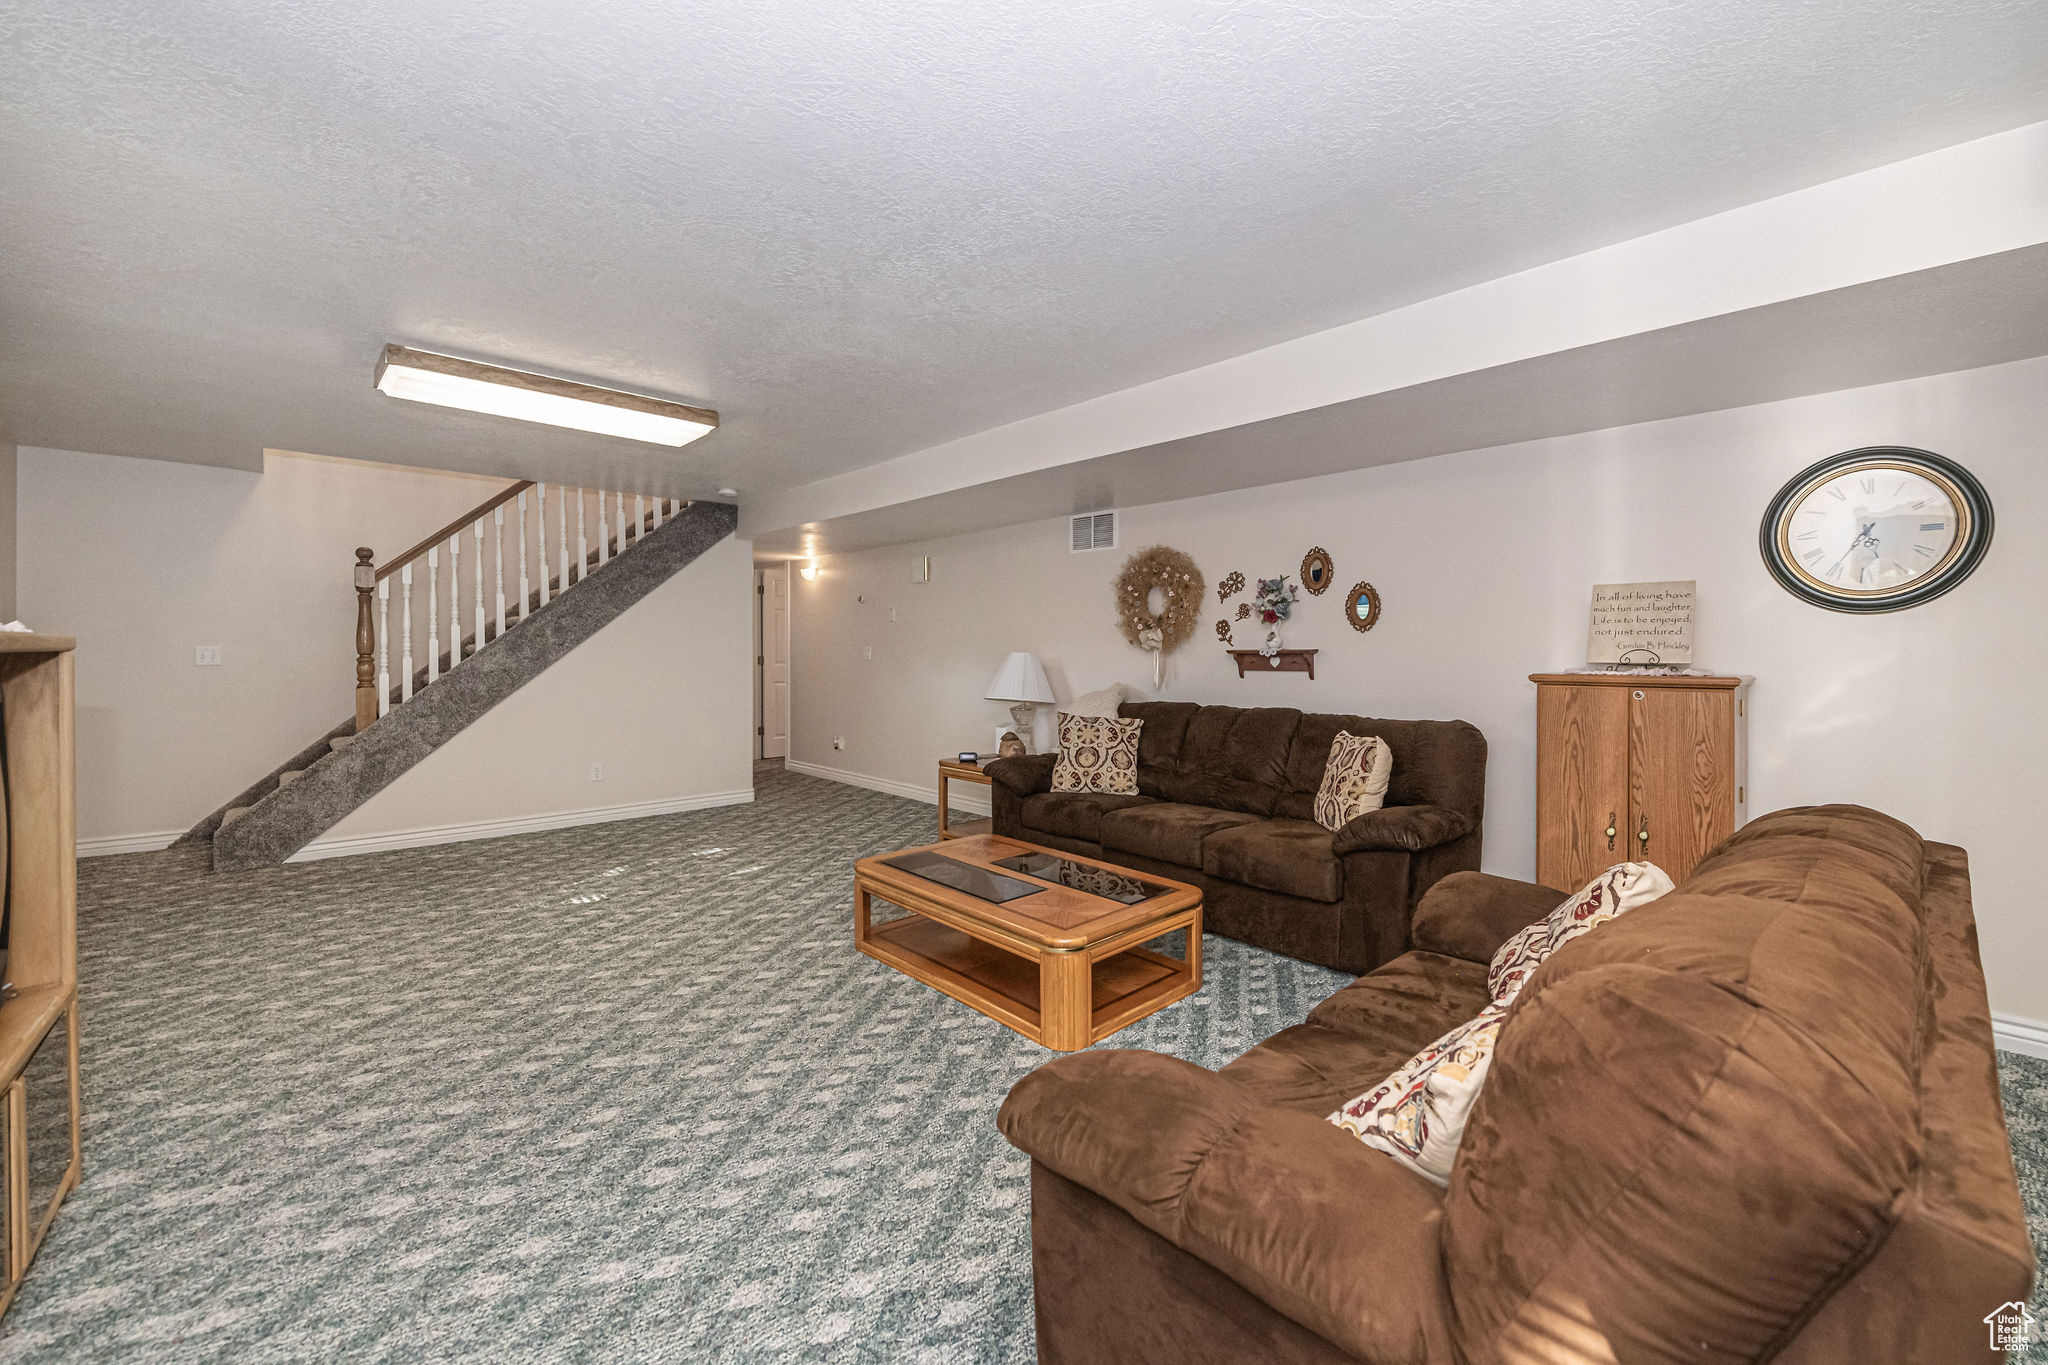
[{"x": 491, "y": 649}]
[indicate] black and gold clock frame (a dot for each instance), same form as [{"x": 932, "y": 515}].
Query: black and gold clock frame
[{"x": 1880, "y": 528}]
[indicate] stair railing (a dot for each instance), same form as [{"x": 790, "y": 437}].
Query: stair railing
[{"x": 421, "y": 566}]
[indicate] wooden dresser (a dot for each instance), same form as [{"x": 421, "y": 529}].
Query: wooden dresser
[
  {"x": 1645, "y": 769},
  {"x": 39, "y": 1140}
]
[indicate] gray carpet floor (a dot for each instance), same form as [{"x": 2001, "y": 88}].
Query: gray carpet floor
[{"x": 619, "y": 1093}]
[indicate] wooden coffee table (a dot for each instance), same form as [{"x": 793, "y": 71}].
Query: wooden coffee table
[{"x": 1059, "y": 963}]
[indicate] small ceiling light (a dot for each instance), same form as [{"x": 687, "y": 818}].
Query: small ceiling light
[
  {"x": 728, "y": 492},
  {"x": 809, "y": 573},
  {"x": 425, "y": 377}
]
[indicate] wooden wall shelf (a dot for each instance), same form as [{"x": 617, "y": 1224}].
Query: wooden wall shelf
[{"x": 1286, "y": 661}]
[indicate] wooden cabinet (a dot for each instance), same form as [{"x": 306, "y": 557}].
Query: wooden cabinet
[{"x": 1635, "y": 769}]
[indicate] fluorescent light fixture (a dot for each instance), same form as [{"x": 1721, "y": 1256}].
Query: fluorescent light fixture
[{"x": 425, "y": 377}]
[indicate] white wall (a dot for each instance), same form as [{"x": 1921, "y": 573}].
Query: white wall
[
  {"x": 1486, "y": 560},
  {"x": 659, "y": 697}
]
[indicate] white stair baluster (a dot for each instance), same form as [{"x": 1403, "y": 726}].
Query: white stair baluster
[
  {"x": 405, "y": 632},
  {"x": 582, "y": 543},
  {"x": 476, "y": 571},
  {"x": 454, "y": 600},
  {"x": 498, "y": 564},
  {"x": 523, "y": 588},
  {"x": 620, "y": 498},
  {"x": 639, "y": 516},
  {"x": 603, "y": 541},
  {"x": 433, "y": 614},
  {"x": 541, "y": 520},
  {"x": 383, "y": 647},
  {"x": 562, "y": 534},
  {"x": 657, "y": 514}
]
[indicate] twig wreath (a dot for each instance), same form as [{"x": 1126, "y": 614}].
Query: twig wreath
[{"x": 1181, "y": 590}]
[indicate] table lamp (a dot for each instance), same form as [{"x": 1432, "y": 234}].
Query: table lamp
[{"x": 1021, "y": 681}]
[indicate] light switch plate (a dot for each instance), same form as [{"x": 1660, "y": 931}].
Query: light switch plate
[{"x": 206, "y": 656}]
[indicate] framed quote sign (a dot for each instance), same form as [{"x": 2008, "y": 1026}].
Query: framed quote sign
[{"x": 1641, "y": 623}]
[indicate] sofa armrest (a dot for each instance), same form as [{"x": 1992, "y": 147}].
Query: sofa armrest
[
  {"x": 1403, "y": 829},
  {"x": 1336, "y": 1236},
  {"x": 1470, "y": 914},
  {"x": 1027, "y": 775}
]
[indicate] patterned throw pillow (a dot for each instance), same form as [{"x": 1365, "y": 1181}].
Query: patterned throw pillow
[
  {"x": 1097, "y": 754},
  {"x": 1619, "y": 889},
  {"x": 1417, "y": 1115},
  {"x": 1354, "y": 779}
]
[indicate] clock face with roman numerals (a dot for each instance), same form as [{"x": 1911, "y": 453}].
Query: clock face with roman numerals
[{"x": 1877, "y": 529}]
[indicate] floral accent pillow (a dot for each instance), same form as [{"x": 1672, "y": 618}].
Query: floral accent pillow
[
  {"x": 1621, "y": 888},
  {"x": 1097, "y": 754},
  {"x": 1417, "y": 1115},
  {"x": 1354, "y": 779}
]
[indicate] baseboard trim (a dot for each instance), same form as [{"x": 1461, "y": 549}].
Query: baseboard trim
[
  {"x": 2028, "y": 1037},
  {"x": 108, "y": 844},
  {"x": 962, "y": 796},
  {"x": 346, "y": 846}
]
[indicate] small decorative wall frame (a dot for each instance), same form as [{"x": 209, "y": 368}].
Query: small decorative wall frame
[
  {"x": 1362, "y": 607},
  {"x": 1317, "y": 571}
]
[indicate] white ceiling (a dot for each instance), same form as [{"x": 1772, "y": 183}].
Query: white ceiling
[{"x": 858, "y": 230}]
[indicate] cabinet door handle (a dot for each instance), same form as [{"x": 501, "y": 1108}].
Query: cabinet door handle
[
  {"x": 1611, "y": 831},
  {"x": 1644, "y": 834}
]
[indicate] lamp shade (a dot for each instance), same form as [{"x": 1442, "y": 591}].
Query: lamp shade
[{"x": 1019, "y": 679}]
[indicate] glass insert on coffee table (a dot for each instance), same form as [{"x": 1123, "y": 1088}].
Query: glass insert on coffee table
[{"x": 1065, "y": 963}]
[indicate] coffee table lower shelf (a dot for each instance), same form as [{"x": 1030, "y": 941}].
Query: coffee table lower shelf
[{"x": 1063, "y": 1000}]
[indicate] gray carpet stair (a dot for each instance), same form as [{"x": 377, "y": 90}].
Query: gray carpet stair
[{"x": 311, "y": 791}]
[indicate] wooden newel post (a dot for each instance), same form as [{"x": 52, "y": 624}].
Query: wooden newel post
[{"x": 366, "y": 641}]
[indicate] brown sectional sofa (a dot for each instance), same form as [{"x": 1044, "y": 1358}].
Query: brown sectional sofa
[
  {"x": 1226, "y": 801},
  {"x": 1755, "y": 1120}
]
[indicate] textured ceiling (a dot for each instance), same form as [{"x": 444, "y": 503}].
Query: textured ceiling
[{"x": 858, "y": 230}]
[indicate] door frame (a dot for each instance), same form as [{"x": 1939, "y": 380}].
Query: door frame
[{"x": 762, "y": 573}]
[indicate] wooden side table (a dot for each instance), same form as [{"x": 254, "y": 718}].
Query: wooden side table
[{"x": 953, "y": 770}]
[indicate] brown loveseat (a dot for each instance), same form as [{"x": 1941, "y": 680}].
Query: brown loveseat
[
  {"x": 1226, "y": 797},
  {"x": 1755, "y": 1120}
]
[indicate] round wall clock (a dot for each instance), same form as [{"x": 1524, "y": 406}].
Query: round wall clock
[{"x": 1876, "y": 529}]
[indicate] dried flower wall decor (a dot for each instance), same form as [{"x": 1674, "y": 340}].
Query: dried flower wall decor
[{"x": 1181, "y": 589}]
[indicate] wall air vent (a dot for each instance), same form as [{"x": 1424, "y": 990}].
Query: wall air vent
[{"x": 1094, "y": 531}]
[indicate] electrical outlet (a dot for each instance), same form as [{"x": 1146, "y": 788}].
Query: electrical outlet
[
  {"x": 597, "y": 772},
  {"x": 206, "y": 656},
  {"x": 868, "y": 652},
  {"x": 892, "y": 616},
  {"x": 840, "y": 742}
]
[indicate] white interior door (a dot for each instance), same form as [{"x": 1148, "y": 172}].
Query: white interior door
[{"x": 775, "y": 662}]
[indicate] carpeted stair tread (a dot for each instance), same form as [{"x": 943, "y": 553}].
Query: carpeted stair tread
[{"x": 358, "y": 765}]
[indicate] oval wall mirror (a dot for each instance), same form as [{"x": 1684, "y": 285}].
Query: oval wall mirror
[
  {"x": 1362, "y": 607},
  {"x": 1316, "y": 571}
]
